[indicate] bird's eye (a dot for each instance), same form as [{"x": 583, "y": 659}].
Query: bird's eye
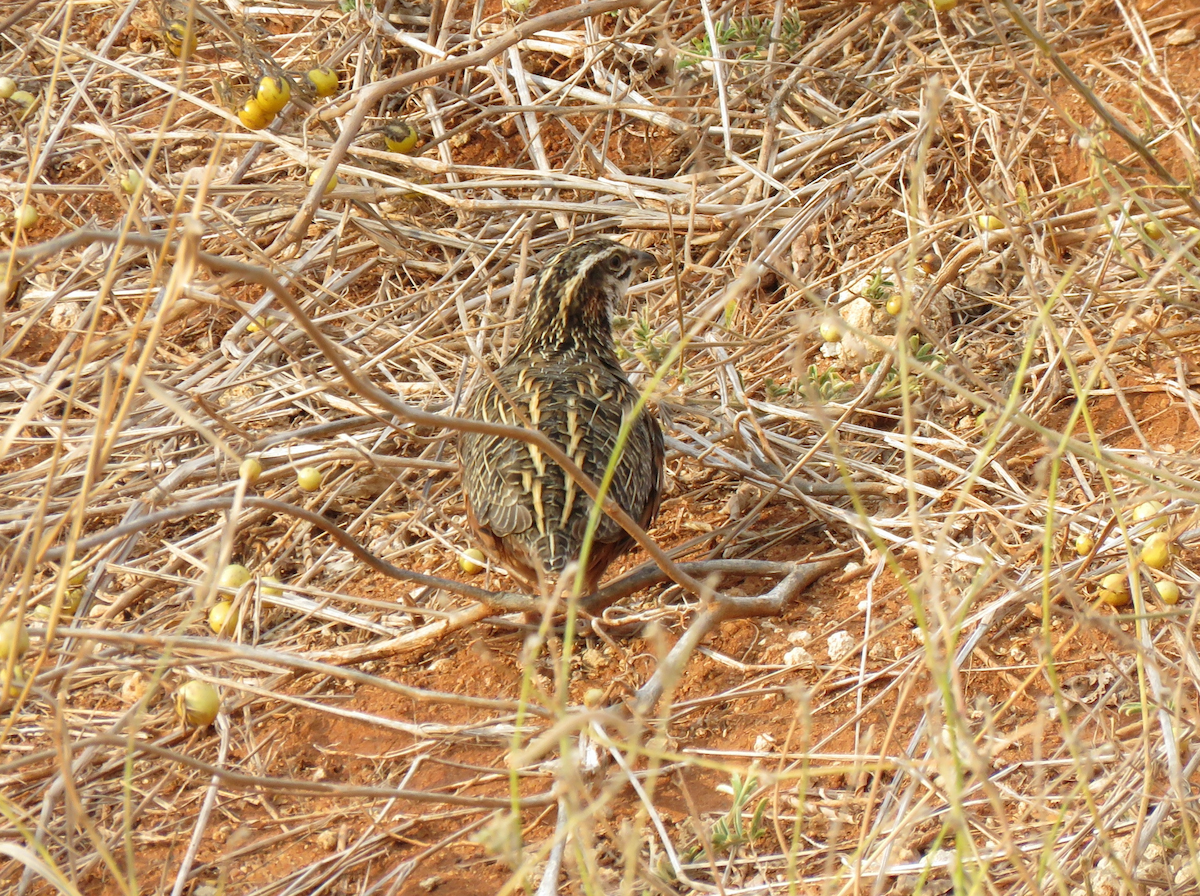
[{"x": 616, "y": 265}]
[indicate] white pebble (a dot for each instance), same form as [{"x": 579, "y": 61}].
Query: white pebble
[
  {"x": 764, "y": 743},
  {"x": 798, "y": 656},
  {"x": 840, "y": 645}
]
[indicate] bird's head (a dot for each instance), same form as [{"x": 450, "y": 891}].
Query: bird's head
[{"x": 575, "y": 293}]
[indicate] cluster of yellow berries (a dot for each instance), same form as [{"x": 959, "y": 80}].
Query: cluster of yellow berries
[
  {"x": 26, "y": 215},
  {"x": 10, "y": 92},
  {"x": 1155, "y": 555},
  {"x": 271, "y": 94},
  {"x": 221, "y": 616}
]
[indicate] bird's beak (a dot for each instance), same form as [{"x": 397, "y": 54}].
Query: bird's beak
[{"x": 642, "y": 259}]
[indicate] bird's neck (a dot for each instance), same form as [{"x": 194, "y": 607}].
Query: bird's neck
[
  {"x": 553, "y": 331},
  {"x": 585, "y": 347}
]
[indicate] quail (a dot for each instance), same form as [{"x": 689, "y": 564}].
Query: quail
[{"x": 563, "y": 379}]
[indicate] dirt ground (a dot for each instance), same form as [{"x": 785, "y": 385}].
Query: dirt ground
[{"x": 952, "y": 695}]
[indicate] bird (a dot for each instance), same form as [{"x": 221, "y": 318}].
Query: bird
[{"x": 564, "y": 379}]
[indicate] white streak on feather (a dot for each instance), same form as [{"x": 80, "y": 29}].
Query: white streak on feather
[
  {"x": 539, "y": 462},
  {"x": 539, "y": 510},
  {"x": 571, "y": 287}
]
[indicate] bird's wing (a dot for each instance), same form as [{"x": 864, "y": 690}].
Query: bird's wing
[
  {"x": 492, "y": 480},
  {"x": 637, "y": 481}
]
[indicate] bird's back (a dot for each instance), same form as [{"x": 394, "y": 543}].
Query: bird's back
[{"x": 522, "y": 503}]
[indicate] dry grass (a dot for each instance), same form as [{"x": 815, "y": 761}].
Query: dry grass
[{"x": 966, "y": 714}]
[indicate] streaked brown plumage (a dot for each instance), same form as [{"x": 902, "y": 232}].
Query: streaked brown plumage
[{"x": 564, "y": 379}]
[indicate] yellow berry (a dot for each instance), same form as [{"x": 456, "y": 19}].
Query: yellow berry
[
  {"x": 23, "y": 98},
  {"x": 1155, "y": 230},
  {"x": 831, "y": 332},
  {"x": 250, "y": 469},
  {"x": 253, "y": 115},
  {"x": 269, "y": 586},
  {"x": 1168, "y": 592},
  {"x": 16, "y": 684},
  {"x": 329, "y": 187},
  {"x": 222, "y": 619},
  {"x": 943, "y": 5},
  {"x": 197, "y": 703},
  {"x": 1114, "y": 589},
  {"x": 71, "y": 600},
  {"x": 27, "y": 216},
  {"x": 180, "y": 40},
  {"x": 309, "y": 479},
  {"x": 14, "y": 639},
  {"x": 1156, "y": 552},
  {"x": 273, "y": 94},
  {"x": 234, "y": 576},
  {"x": 400, "y": 136},
  {"x": 472, "y": 561},
  {"x": 7, "y": 87},
  {"x": 1151, "y": 510},
  {"x": 131, "y": 181},
  {"x": 895, "y": 304},
  {"x": 323, "y": 79},
  {"x": 989, "y": 222},
  {"x": 1084, "y": 545}
]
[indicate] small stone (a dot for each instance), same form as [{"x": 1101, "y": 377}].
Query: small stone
[
  {"x": 746, "y": 496},
  {"x": 800, "y": 657},
  {"x": 764, "y": 743},
  {"x": 839, "y": 645},
  {"x": 593, "y": 659},
  {"x": 64, "y": 315},
  {"x": 327, "y": 840},
  {"x": 133, "y": 688},
  {"x": 879, "y": 652}
]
